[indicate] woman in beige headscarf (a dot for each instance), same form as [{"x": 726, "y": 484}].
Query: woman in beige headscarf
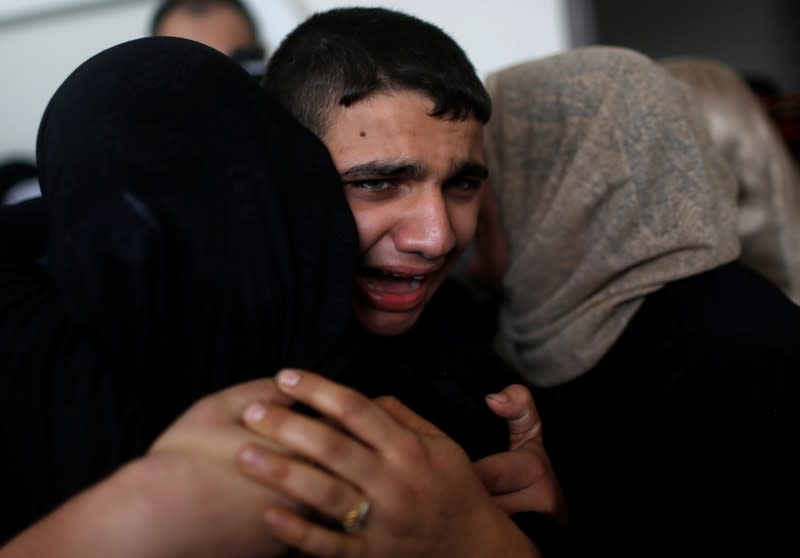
[
  {"x": 769, "y": 186},
  {"x": 624, "y": 304}
]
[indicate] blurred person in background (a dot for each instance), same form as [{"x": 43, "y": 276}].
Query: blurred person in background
[
  {"x": 226, "y": 25},
  {"x": 769, "y": 190},
  {"x": 18, "y": 181}
]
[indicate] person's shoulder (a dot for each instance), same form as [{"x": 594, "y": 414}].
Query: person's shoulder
[
  {"x": 731, "y": 300},
  {"x": 721, "y": 342},
  {"x": 731, "y": 312}
]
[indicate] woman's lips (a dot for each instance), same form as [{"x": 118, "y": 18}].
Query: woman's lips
[{"x": 392, "y": 292}]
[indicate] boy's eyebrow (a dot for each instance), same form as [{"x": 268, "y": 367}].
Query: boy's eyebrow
[
  {"x": 409, "y": 169},
  {"x": 379, "y": 169},
  {"x": 472, "y": 169}
]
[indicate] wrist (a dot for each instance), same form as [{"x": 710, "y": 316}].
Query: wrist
[
  {"x": 500, "y": 536},
  {"x": 106, "y": 519}
]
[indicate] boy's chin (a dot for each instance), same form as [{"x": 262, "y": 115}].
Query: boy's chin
[{"x": 386, "y": 324}]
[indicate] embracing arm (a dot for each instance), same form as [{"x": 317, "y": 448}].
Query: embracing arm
[
  {"x": 94, "y": 523},
  {"x": 186, "y": 497}
]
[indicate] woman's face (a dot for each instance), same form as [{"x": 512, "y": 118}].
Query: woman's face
[{"x": 413, "y": 184}]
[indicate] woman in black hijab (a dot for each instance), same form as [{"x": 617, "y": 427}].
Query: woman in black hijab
[
  {"x": 198, "y": 238},
  {"x": 189, "y": 223}
]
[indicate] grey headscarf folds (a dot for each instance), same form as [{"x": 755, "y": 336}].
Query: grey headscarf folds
[
  {"x": 769, "y": 195},
  {"x": 608, "y": 188}
]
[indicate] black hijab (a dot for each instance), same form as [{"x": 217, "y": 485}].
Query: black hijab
[{"x": 198, "y": 237}]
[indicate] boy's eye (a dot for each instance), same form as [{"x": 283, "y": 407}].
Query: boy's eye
[
  {"x": 372, "y": 185},
  {"x": 466, "y": 186}
]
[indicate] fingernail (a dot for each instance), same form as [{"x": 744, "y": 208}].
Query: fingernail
[
  {"x": 274, "y": 517},
  {"x": 254, "y": 412},
  {"x": 498, "y": 397},
  {"x": 288, "y": 378},
  {"x": 254, "y": 458}
]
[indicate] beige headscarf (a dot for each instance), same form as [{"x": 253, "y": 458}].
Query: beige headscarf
[
  {"x": 769, "y": 187},
  {"x": 608, "y": 188}
]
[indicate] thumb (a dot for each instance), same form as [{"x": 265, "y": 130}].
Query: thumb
[{"x": 515, "y": 404}]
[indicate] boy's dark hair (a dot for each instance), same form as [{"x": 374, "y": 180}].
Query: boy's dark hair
[
  {"x": 342, "y": 56},
  {"x": 198, "y": 7}
]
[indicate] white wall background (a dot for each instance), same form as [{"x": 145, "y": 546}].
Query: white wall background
[{"x": 42, "y": 42}]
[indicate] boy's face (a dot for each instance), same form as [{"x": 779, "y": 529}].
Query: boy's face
[{"x": 413, "y": 184}]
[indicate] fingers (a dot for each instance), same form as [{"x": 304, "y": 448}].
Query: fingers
[
  {"x": 225, "y": 407},
  {"x": 313, "y": 439},
  {"x": 309, "y": 485},
  {"x": 212, "y": 425},
  {"x": 544, "y": 501},
  {"x": 237, "y": 397},
  {"x": 406, "y": 417},
  {"x": 515, "y": 404},
  {"x": 521, "y": 481},
  {"x": 310, "y": 538},
  {"x": 507, "y": 472},
  {"x": 348, "y": 408}
]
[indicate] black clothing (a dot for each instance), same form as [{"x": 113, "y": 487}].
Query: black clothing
[
  {"x": 184, "y": 256},
  {"x": 23, "y": 230},
  {"x": 711, "y": 365}
]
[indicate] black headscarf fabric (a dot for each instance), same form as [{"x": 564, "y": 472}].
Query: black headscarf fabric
[{"x": 198, "y": 237}]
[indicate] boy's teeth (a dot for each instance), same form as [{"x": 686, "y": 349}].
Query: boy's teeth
[
  {"x": 415, "y": 284},
  {"x": 413, "y": 277}
]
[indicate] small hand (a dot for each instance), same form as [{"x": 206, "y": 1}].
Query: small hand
[
  {"x": 522, "y": 479},
  {"x": 212, "y": 425},
  {"x": 202, "y": 504}
]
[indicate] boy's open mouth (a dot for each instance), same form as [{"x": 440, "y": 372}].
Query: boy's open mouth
[
  {"x": 393, "y": 290},
  {"x": 390, "y": 282}
]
